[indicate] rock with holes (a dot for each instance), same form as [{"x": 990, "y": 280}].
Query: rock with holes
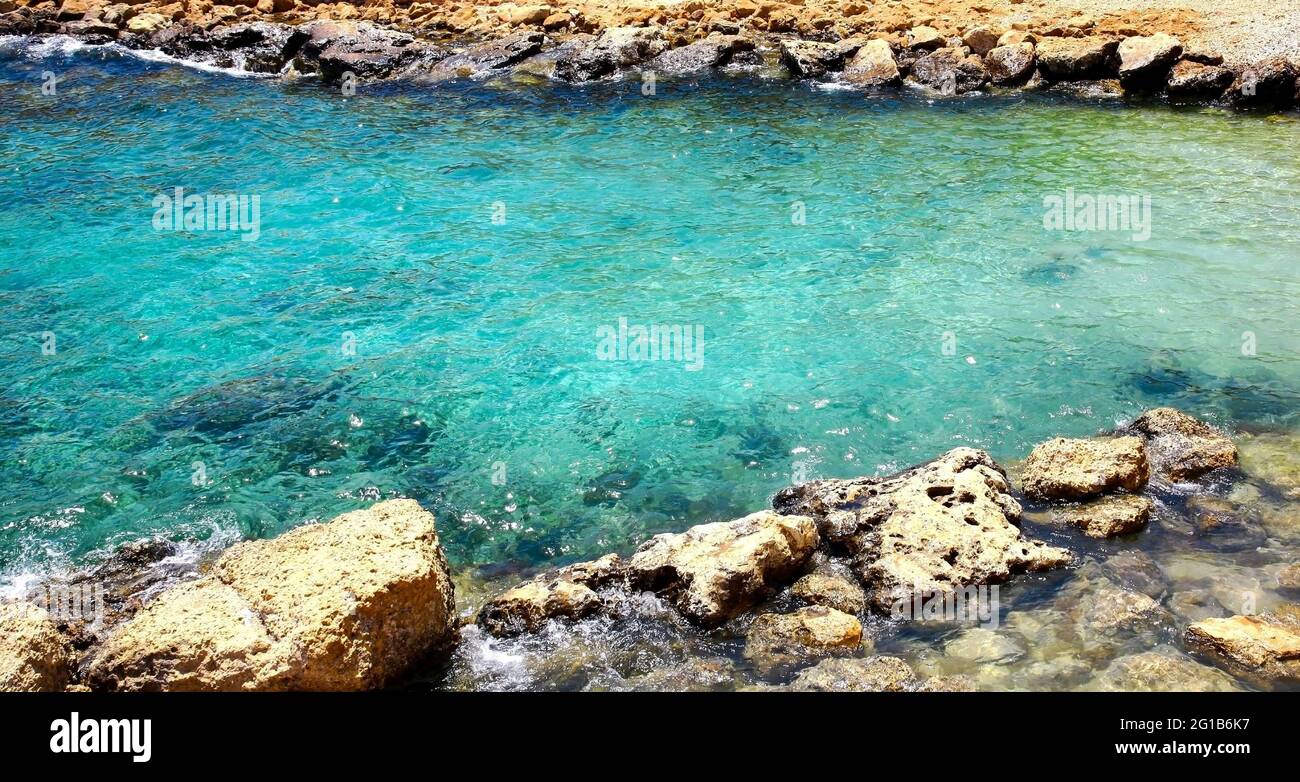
[
  {"x": 946, "y": 524},
  {"x": 1181, "y": 447},
  {"x": 714, "y": 571},
  {"x": 347, "y": 605},
  {"x": 810, "y": 59},
  {"x": 778, "y": 641},
  {"x": 829, "y": 586},
  {"x": 568, "y": 593},
  {"x": 1074, "y": 469},
  {"x": 856, "y": 674}
]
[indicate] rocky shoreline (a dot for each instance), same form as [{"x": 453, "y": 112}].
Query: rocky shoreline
[
  {"x": 367, "y": 599},
  {"x": 868, "y": 51}
]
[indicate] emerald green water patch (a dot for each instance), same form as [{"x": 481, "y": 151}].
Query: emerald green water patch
[{"x": 420, "y": 313}]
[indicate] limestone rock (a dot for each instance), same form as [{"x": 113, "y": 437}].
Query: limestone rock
[
  {"x": 346, "y": 605},
  {"x": 810, "y": 59},
  {"x": 497, "y": 55},
  {"x": 1090, "y": 57},
  {"x": 924, "y": 37},
  {"x": 1110, "y": 517},
  {"x": 1289, "y": 577},
  {"x": 873, "y": 66},
  {"x": 1010, "y": 64},
  {"x": 1144, "y": 61},
  {"x": 935, "y": 528},
  {"x": 146, "y": 23},
  {"x": 1275, "y": 459},
  {"x": 983, "y": 646},
  {"x": 950, "y": 70},
  {"x": 613, "y": 50},
  {"x": 1074, "y": 469},
  {"x": 711, "y": 572},
  {"x": 832, "y": 590},
  {"x": 1180, "y": 446},
  {"x": 1162, "y": 670},
  {"x": 777, "y": 641},
  {"x": 1013, "y": 37},
  {"x": 34, "y": 657},
  {"x": 980, "y": 40},
  {"x": 856, "y": 674},
  {"x": 1261, "y": 645},
  {"x": 567, "y": 593},
  {"x": 1194, "y": 79}
]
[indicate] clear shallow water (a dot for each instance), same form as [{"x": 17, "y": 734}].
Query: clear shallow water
[{"x": 476, "y": 342}]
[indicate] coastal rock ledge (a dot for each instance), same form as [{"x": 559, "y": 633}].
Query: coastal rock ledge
[{"x": 347, "y": 605}]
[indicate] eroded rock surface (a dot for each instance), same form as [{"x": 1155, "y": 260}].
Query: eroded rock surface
[
  {"x": 34, "y": 656},
  {"x": 1162, "y": 670},
  {"x": 937, "y": 527},
  {"x": 1111, "y": 516},
  {"x": 491, "y": 57},
  {"x": 810, "y": 59},
  {"x": 1256, "y": 645},
  {"x": 347, "y": 605},
  {"x": 873, "y": 66},
  {"x": 1074, "y": 469},
  {"x": 568, "y": 593},
  {"x": 1195, "y": 79},
  {"x": 952, "y": 71},
  {"x": 1011, "y": 64},
  {"x": 777, "y": 641},
  {"x": 856, "y": 674},
  {"x": 715, "y": 51},
  {"x": 1090, "y": 57},
  {"x": 612, "y": 51},
  {"x": 1180, "y": 446},
  {"x": 1144, "y": 61}
]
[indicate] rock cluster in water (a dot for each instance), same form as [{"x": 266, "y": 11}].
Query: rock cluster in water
[
  {"x": 875, "y": 55},
  {"x": 364, "y": 600}
]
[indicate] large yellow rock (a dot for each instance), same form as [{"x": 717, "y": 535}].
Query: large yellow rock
[
  {"x": 347, "y": 605},
  {"x": 34, "y": 656},
  {"x": 1256, "y": 645},
  {"x": 1073, "y": 469}
]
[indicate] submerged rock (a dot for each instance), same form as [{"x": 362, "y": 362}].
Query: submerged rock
[
  {"x": 1258, "y": 645},
  {"x": 935, "y": 528},
  {"x": 1163, "y": 670},
  {"x": 1110, "y": 517},
  {"x": 693, "y": 675},
  {"x": 34, "y": 657},
  {"x": 983, "y": 646},
  {"x": 613, "y": 50},
  {"x": 1144, "y": 61},
  {"x": 567, "y": 593},
  {"x": 1275, "y": 459},
  {"x": 1090, "y": 57},
  {"x": 873, "y": 66},
  {"x": 1011, "y": 64},
  {"x": 856, "y": 674},
  {"x": 346, "y": 605},
  {"x": 952, "y": 71},
  {"x": 1075, "y": 469},
  {"x": 714, "y": 51},
  {"x": 714, "y": 571},
  {"x": 1181, "y": 447},
  {"x": 778, "y": 641},
  {"x": 1194, "y": 79}
]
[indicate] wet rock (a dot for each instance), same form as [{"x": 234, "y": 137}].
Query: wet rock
[
  {"x": 950, "y": 70},
  {"x": 1275, "y": 459},
  {"x": 1259, "y": 645},
  {"x": 779, "y": 641},
  {"x": 346, "y": 605},
  {"x": 613, "y": 50},
  {"x": 1268, "y": 83},
  {"x": 258, "y": 47},
  {"x": 1163, "y": 670},
  {"x": 568, "y": 593},
  {"x": 91, "y": 31},
  {"x": 1090, "y": 57},
  {"x": 1074, "y": 469},
  {"x": 493, "y": 56},
  {"x": 831, "y": 589},
  {"x": 1225, "y": 522},
  {"x": 856, "y": 674},
  {"x": 1181, "y": 447},
  {"x": 1105, "y": 610},
  {"x": 873, "y": 66},
  {"x": 925, "y": 38},
  {"x": 955, "y": 683},
  {"x": 983, "y": 646},
  {"x": 335, "y": 48},
  {"x": 980, "y": 40},
  {"x": 1195, "y": 605},
  {"x": 714, "y": 51},
  {"x": 34, "y": 656},
  {"x": 1137, "y": 571},
  {"x": 1011, "y": 64},
  {"x": 693, "y": 675},
  {"x": 810, "y": 59},
  {"x": 1194, "y": 79},
  {"x": 936, "y": 527},
  {"x": 1144, "y": 61},
  {"x": 1110, "y": 517},
  {"x": 714, "y": 571}
]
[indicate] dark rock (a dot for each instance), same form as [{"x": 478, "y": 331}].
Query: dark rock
[
  {"x": 614, "y": 50},
  {"x": 715, "y": 51},
  {"x": 492, "y": 56},
  {"x": 951, "y": 71},
  {"x": 1198, "y": 80},
  {"x": 1181, "y": 447},
  {"x": 810, "y": 59},
  {"x": 1010, "y": 64},
  {"x": 1090, "y": 57},
  {"x": 91, "y": 31},
  {"x": 568, "y": 593},
  {"x": 1271, "y": 83},
  {"x": 873, "y": 65},
  {"x": 359, "y": 48}
]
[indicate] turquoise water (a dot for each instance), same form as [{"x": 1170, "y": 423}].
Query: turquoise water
[{"x": 920, "y": 305}]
